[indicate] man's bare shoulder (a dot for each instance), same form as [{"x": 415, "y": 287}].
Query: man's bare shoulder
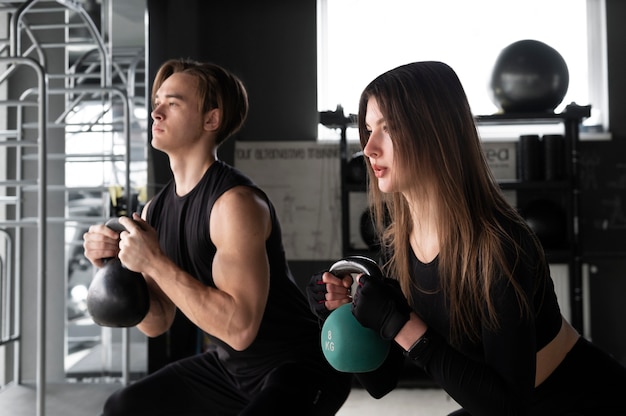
[{"x": 242, "y": 200}]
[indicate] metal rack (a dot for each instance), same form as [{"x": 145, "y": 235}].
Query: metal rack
[
  {"x": 17, "y": 227},
  {"x": 61, "y": 81}
]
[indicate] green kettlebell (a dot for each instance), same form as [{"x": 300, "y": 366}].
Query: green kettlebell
[
  {"x": 348, "y": 346},
  {"x": 117, "y": 297}
]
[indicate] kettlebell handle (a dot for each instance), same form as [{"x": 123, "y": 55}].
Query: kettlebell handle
[
  {"x": 357, "y": 264},
  {"x": 114, "y": 224}
]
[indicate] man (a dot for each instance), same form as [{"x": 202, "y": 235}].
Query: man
[{"x": 209, "y": 244}]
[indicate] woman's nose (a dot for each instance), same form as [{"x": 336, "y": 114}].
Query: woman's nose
[{"x": 370, "y": 149}]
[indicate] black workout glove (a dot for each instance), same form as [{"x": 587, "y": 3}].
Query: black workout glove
[
  {"x": 316, "y": 294},
  {"x": 381, "y": 306}
]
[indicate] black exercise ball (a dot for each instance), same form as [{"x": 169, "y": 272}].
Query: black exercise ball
[
  {"x": 356, "y": 173},
  {"x": 117, "y": 297},
  {"x": 547, "y": 219},
  {"x": 529, "y": 76}
]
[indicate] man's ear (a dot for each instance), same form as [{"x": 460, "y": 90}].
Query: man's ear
[{"x": 212, "y": 119}]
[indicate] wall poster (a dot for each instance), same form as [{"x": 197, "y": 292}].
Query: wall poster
[{"x": 302, "y": 178}]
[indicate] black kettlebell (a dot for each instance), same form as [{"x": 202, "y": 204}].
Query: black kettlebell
[{"x": 117, "y": 296}]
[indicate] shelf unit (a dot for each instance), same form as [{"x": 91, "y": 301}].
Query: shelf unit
[
  {"x": 337, "y": 120},
  {"x": 567, "y": 188}
]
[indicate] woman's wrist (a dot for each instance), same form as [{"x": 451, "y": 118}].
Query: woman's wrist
[{"x": 411, "y": 332}]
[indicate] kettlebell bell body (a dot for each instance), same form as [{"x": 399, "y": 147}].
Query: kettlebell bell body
[
  {"x": 347, "y": 345},
  {"x": 117, "y": 297}
]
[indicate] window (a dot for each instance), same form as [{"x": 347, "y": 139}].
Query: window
[{"x": 360, "y": 39}]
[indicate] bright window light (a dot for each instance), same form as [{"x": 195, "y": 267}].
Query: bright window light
[{"x": 360, "y": 39}]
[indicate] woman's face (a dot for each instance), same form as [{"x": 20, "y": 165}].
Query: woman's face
[{"x": 379, "y": 148}]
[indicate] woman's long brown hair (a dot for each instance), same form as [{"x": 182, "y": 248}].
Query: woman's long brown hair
[{"x": 438, "y": 151}]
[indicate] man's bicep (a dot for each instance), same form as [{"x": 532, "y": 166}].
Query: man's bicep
[{"x": 239, "y": 231}]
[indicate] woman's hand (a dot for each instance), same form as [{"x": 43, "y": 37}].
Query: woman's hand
[
  {"x": 326, "y": 292},
  {"x": 381, "y": 306}
]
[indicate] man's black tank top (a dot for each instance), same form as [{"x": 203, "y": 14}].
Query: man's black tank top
[{"x": 289, "y": 332}]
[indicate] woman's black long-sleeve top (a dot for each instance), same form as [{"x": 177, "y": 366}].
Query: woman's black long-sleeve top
[{"x": 496, "y": 375}]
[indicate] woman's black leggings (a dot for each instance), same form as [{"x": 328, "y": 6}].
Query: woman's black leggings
[
  {"x": 588, "y": 382},
  {"x": 199, "y": 385}
]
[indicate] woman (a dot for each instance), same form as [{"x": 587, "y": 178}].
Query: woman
[{"x": 470, "y": 298}]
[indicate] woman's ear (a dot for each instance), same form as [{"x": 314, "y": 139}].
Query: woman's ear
[{"x": 212, "y": 119}]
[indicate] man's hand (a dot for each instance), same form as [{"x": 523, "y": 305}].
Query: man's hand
[
  {"x": 139, "y": 244},
  {"x": 99, "y": 243}
]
